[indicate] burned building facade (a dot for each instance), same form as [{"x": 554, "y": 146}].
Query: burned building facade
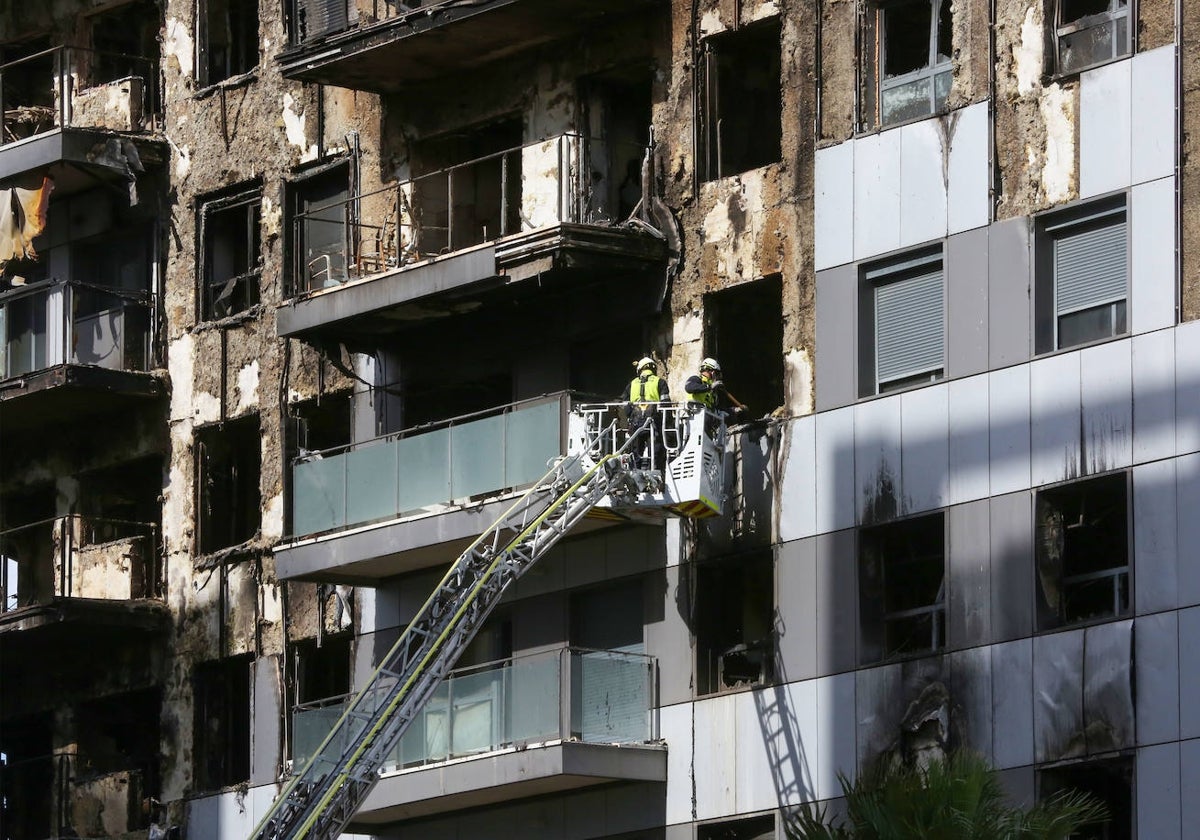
[{"x": 296, "y": 297}]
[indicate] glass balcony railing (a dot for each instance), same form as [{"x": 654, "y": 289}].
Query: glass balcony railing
[
  {"x": 73, "y": 86},
  {"x": 65, "y": 322},
  {"x": 409, "y": 472},
  {"x": 594, "y": 696},
  {"x": 79, "y": 557}
]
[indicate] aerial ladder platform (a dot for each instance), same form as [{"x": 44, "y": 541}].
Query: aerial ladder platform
[{"x": 667, "y": 462}]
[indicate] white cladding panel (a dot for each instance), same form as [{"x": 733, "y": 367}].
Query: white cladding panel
[
  {"x": 675, "y": 728},
  {"x": 876, "y": 194},
  {"x": 1104, "y": 129},
  {"x": 1155, "y": 534},
  {"x": 922, "y": 185},
  {"x": 1153, "y": 369},
  {"x": 833, "y": 205},
  {"x": 876, "y": 456},
  {"x": 1152, "y": 270},
  {"x": 836, "y": 727},
  {"x": 1008, "y": 432},
  {"x": 1153, "y": 114},
  {"x": 834, "y": 485},
  {"x": 798, "y": 492},
  {"x": 1012, "y": 710},
  {"x": 1106, "y": 396},
  {"x": 968, "y": 420},
  {"x": 715, "y": 752},
  {"x": 1054, "y": 418},
  {"x": 1156, "y": 663},
  {"x": 968, "y": 201},
  {"x": 925, "y": 447},
  {"x": 1187, "y": 388}
]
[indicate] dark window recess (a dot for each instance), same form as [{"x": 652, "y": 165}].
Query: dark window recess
[
  {"x": 734, "y": 622},
  {"x": 231, "y": 260},
  {"x": 1110, "y": 781},
  {"x": 609, "y": 617},
  {"x": 740, "y": 102},
  {"x": 320, "y": 229},
  {"x": 493, "y": 643},
  {"x": 323, "y": 423},
  {"x": 227, "y": 39},
  {"x": 902, "y": 589},
  {"x": 228, "y": 457},
  {"x": 1083, "y": 551},
  {"x": 915, "y": 57},
  {"x": 902, "y": 319},
  {"x": 752, "y": 828},
  {"x": 322, "y": 667},
  {"x": 120, "y": 735},
  {"x": 27, "y": 82},
  {"x": 743, "y": 330},
  {"x": 125, "y": 40},
  {"x": 1091, "y": 32},
  {"x": 221, "y": 738}
]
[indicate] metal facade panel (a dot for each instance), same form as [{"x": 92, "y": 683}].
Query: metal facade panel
[
  {"x": 715, "y": 757},
  {"x": 968, "y": 608},
  {"x": 1009, "y": 292},
  {"x": 837, "y": 602},
  {"x": 1187, "y": 501},
  {"x": 1153, "y": 371},
  {"x": 834, "y": 485},
  {"x": 796, "y": 577},
  {"x": 971, "y": 689},
  {"x": 759, "y": 735},
  {"x": 1106, "y": 397},
  {"x": 1152, "y": 263},
  {"x": 1008, "y": 429},
  {"x": 1153, "y": 114},
  {"x": 1189, "y": 780},
  {"x": 1054, "y": 409},
  {"x": 1058, "y": 694},
  {"x": 1156, "y": 664},
  {"x": 837, "y": 337},
  {"x": 967, "y": 303},
  {"x": 798, "y": 482},
  {"x": 1189, "y": 672},
  {"x": 1011, "y": 539},
  {"x": 836, "y": 733},
  {"x": 968, "y": 411},
  {"x": 668, "y": 639},
  {"x": 922, "y": 184},
  {"x": 1104, "y": 128},
  {"x": 1158, "y": 793},
  {"x": 925, "y": 448},
  {"x": 1155, "y": 532},
  {"x": 1108, "y": 686},
  {"x": 803, "y": 704},
  {"x": 876, "y": 194},
  {"x": 880, "y": 698},
  {"x": 833, "y": 205},
  {"x": 675, "y": 726},
  {"x": 1012, "y": 703},
  {"x": 877, "y": 477},
  {"x": 1187, "y": 388},
  {"x": 969, "y": 201}
]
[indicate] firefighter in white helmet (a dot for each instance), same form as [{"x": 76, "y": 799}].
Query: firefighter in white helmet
[
  {"x": 641, "y": 397},
  {"x": 708, "y": 389}
]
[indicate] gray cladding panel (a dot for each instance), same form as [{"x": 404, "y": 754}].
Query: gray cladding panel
[
  {"x": 1008, "y": 292},
  {"x": 1106, "y": 396},
  {"x": 668, "y": 638},
  {"x": 971, "y": 698},
  {"x": 1189, "y": 780},
  {"x": 837, "y": 602},
  {"x": 1153, "y": 371},
  {"x": 1187, "y": 500},
  {"x": 925, "y": 449},
  {"x": 264, "y": 726},
  {"x": 1189, "y": 673},
  {"x": 836, "y": 336},
  {"x": 796, "y": 577},
  {"x": 1058, "y": 718},
  {"x": 1187, "y": 388},
  {"x": 969, "y": 608},
  {"x": 968, "y": 433},
  {"x": 1054, "y": 419},
  {"x": 1158, "y": 793},
  {"x": 835, "y": 469},
  {"x": 1156, "y": 663},
  {"x": 877, "y": 460},
  {"x": 1155, "y": 555},
  {"x": 1008, "y": 429},
  {"x": 1012, "y": 703},
  {"x": 967, "y": 302},
  {"x": 1011, "y": 538},
  {"x": 1108, "y": 686}
]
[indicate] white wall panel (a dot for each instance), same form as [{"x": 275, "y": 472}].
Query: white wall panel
[
  {"x": 1187, "y": 512},
  {"x": 925, "y": 448},
  {"x": 1152, "y": 239},
  {"x": 758, "y": 739},
  {"x": 1157, "y": 791},
  {"x": 836, "y": 726},
  {"x": 968, "y": 413},
  {"x": 1187, "y": 388},
  {"x": 715, "y": 751},
  {"x": 1153, "y": 366},
  {"x": 675, "y": 728},
  {"x": 1156, "y": 660},
  {"x": 1054, "y": 416},
  {"x": 1008, "y": 431},
  {"x": 833, "y": 205},
  {"x": 1104, "y": 128},
  {"x": 1106, "y": 396},
  {"x": 877, "y": 466},
  {"x": 1153, "y": 114},
  {"x": 876, "y": 194},
  {"x": 968, "y": 202},
  {"x": 1012, "y": 703},
  {"x": 798, "y": 489},
  {"x": 1189, "y": 673},
  {"x": 922, "y": 184},
  {"x": 834, "y": 485},
  {"x": 1154, "y": 537}
]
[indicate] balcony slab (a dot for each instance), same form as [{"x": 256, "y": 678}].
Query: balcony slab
[
  {"x": 69, "y": 392},
  {"x": 74, "y": 157}
]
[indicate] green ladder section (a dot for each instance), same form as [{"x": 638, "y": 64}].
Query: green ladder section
[{"x": 325, "y": 796}]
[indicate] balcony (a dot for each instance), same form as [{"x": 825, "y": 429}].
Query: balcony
[
  {"x": 392, "y": 44},
  {"x": 464, "y": 238},
  {"x": 524, "y": 726},
  {"x": 65, "y": 104},
  {"x": 100, "y": 572},
  {"x": 71, "y": 349}
]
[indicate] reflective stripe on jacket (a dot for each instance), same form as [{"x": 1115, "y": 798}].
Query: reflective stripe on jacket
[{"x": 644, "y": 389}]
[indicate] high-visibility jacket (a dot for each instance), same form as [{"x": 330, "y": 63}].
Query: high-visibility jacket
[
  {"x": 645, "y": 388},
  {"x": 706, "y": 397}
]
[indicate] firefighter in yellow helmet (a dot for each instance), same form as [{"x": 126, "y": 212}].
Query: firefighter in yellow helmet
[
  {"x": 708, "y": 389},
  {"x": 641, "y": 397}
]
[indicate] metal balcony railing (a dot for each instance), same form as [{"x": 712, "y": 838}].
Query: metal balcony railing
[
  {"x": 594, "y": 696},
  {"x": 79, "y": 557},
  {"x": 74, "y": 86},
  {"x": 312, "y": 20},
  {"x": 38, "y": 795},
  {"x": 67, "y": 322}
]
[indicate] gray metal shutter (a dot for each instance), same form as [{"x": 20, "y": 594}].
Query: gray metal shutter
[
  {"x": 1090, "y": 267},
  {"x": 317, "y": 18},
  {"x": 909, "y": 331}
]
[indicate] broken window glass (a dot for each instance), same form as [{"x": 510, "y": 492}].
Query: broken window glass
[
  {"x": 232, "y": 256},
  {"x": 915, "y": 59},
  {"x": 902, "y": 587},
  {"x": 734, "y": 626},
  {"x": 1109, "y": 780},
  {"x": 1091, "y": 32}
]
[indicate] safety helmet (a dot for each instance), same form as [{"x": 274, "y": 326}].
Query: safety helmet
[
  {"x": 710, "y": 364},
  {"x": 643, "y": 363}
]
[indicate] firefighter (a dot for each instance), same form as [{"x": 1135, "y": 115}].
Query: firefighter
[
  {"x": 707, "y": 389},
  {"x": 641, "y": 397}
]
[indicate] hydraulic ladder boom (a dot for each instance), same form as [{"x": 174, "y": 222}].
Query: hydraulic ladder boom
[{"x": 324, "y": 797}]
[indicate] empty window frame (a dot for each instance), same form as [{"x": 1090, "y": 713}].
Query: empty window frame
[
  {"x": 1083, "y": 276},
  {"x": 1083, "y": 551},
  {"x": 322, "y": 667},
  {"x": 902, "y": 587},
  {"x": 1110, "y": 780},
  {"x": 231, "y": 254},
  {"x": 915, "y": 67},
  {"x": 227, "y": 39},
  {"x": 228, "y": 466},
  {"x": 746, "y": 828},
  {"x": 321, "y": 216},
  {"x": 734, "y": 622},
  {"x": 903, "y": 316},
  {"x": 221, "y": 737},
  {"x": 740, "y": 102},
  {"x": 1091, "y": 32},
  {"x": 727, "y": 313}
]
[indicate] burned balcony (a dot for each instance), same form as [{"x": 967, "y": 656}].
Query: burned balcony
[
  {"x": 66, "y": 104},
  {"x": 463, "y": 237},
  {"x": 384, "y": 45},
  {"x": 69, "y": 348},
  {"x": 522, "y": 726}
]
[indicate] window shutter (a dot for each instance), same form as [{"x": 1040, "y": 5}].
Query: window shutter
[
  {"x": 909, "y": 333},
  {"x": 1089, "y": 267}
]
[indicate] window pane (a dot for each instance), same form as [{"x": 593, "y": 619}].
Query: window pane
[
  {"x": 906, "y": 33},
  {"x": 1090, "y": 325},
  {"x": 908, "y": 327},
  {"x": 945, "y": 33},
  {"x": 906, "y": 102}
]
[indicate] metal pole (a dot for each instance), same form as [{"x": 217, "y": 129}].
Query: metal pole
[
  {"x": 504, "y": 194},
  {"x": 450, "y": 210}
]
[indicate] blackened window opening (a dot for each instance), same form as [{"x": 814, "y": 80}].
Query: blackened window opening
[
  {"x": 902, "y": 570},
  {"x": 229, "y": 39},
  {"x": 740, "y": 109},
  {"x": 322, "y": 667},
  {"x": 232, "y": 255},
  {"x": 744, "y": 331},
  {"x": 1110, "y": 781},
  {"x": 751, "y": 828},
  {"x": 229, "y": 466},
  {"x": 734, "y": 622},
  {"x": 221, "y": 736}
]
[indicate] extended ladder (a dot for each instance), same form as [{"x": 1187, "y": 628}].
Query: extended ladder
[{"x": 324, "y": 797}]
